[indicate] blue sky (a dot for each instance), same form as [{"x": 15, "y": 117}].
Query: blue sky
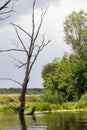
[{"x": 52, "y": 28}]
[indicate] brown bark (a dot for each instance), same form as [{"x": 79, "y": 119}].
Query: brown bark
[
  {"x": 22, "y": 102},
  {"x": 22, "y": 97},
  {"x": 32, "y": 111}
]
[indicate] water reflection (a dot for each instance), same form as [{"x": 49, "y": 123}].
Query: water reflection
[
  {"x": 23, "y": 122},
  {"x": 33, "y": 118},
  {"x": 50, "y": 121},
  {"x": 67, "y": 121}
]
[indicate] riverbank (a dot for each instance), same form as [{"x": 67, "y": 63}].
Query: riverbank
[{"x": 10, "y": 103}]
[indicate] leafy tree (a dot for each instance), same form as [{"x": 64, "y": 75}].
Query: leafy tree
[
  {"x": 68, "y": 76},
  {"x": 58, "y": 78},
  {"x": 49, "y": 68},
  {"x": 50, "y": 76},
  {"x": 75, "y": 28},
  {"x": 79, "y": 76}
]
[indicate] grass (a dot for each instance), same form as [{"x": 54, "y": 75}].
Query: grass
[{"x": 10, "y": 103}]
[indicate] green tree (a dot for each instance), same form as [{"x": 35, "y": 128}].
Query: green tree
[
  {"x": 66, "y": 83},
  {"x": 57, "y": 80},
  {"x": 50, "y": 76},
  {"x": 68, "y": 77},
  {"x": 79, "y": 76},
  {"x": 75, "y": 28}
]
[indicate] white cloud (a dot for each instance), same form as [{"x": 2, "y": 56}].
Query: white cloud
[{"x": 53, "y": 29}]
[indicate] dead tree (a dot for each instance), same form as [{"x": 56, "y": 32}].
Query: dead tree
[
  {"x": 5, "y": 9},
  {"x": 31, "y": 52}
]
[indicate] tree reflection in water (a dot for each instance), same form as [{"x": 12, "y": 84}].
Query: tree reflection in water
[
  {"x": 23, "y": 122},
  {"x": 34, "y": 118}
]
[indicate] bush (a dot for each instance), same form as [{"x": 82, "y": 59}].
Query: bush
[
  {"x": 43, "y": 106},
  {"x": 82, "y": 103},
  {"x": 52, "y": 98},
  {"x": 32, "y": 98}
]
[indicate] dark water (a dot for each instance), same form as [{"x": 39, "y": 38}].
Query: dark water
[{"x": 50, "y": 121}]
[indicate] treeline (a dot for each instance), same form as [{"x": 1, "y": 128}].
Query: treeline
[{"x": 18, "y": 90}]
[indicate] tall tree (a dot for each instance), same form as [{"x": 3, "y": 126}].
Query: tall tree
[
  {"x": 75, "y": 27},
  {"x": 31, "y": 52}
]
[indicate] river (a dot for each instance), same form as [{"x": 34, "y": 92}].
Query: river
[{"x": 48, "y": 121}]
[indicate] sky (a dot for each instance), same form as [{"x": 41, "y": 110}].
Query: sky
[{"x": 52, "y": 28}]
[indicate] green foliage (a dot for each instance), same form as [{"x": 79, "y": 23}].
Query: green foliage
[
  {"x": 68, "y": 77},
  {"x": 79, "y": 76},
  {"x": 7, "y": 106},
  {"x": 68, "y": 82},
  {"x": 68, "y": 105},
  {"x": 50, "y": 75},
  {"x": 44, "y": 107},
  {"x": 82, "y": 103},
  {"x": 57, "y": 82},
  {"x": 49, "y": 68},
  {"x": 75, "y": 28},
  {"x": 33, "y": 98},
  {"x": 10, "y": 102},
  {"x": 52, "y": 98}
]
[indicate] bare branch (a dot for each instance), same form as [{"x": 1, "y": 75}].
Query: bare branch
[
  {"x": 23, "y": 65},
  {"x": 15, "y": 43},
  {"x": 11, "y": 80},
  {"x": 34, "y": 1},
  {"x": 21, "y": 29},
  {"x": 6, "y": 12},
  {"x": 19, "y": 62},
  {"x": 20, "y": 50},
  {"x": 40, "y": 24},
  {"x": 5, "y": 5},
  {"x": 43, "y": 45},
  {"x": 33, "y": 29},
  {"x": 33, "y": 24},
  {"x": 39, "y": 50},
  {"x": 1, "y": 19},
  {"x": 4, "y": 9},
  {"x": 21, "y": 41}
]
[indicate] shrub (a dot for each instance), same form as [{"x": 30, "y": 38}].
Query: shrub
[
  {"x": 82, "y": 103},
  {"x": 52, "y": 98}
]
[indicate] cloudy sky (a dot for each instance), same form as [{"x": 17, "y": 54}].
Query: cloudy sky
[{"x": 52, "y": 28}]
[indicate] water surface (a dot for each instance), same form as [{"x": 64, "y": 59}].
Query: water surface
[{"x": 49, "y": 121}]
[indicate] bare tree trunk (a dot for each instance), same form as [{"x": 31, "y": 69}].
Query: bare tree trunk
[
  {"x": 23, "y": 93},
  {"x": 22, "y": 102},
  {"x": 31, "y": 52}
]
